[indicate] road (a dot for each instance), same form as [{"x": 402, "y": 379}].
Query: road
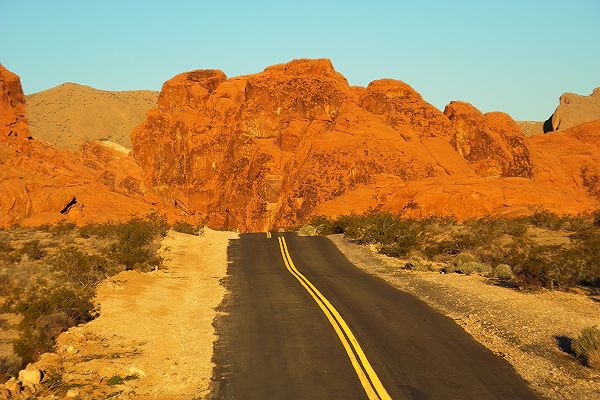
[{"x": 302, "y": 322}]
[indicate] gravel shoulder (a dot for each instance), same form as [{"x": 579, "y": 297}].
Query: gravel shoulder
[
  {"x": 527, "y": 329},
  {"x": 155, "y": 330}
]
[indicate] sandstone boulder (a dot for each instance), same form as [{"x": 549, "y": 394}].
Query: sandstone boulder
[
  {"x": 274, "y": 148},
  {"x": 30, "y": 376},
  {"x": 492, "y": 143},
  {"x": 574, "y": 109},
  {"x": 40, "y": 184}
]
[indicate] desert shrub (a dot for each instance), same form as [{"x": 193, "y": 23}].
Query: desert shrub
[
  {"x": 33, "y": 249},
  {"x": 515, "y": 227},
  {"x": 587, "y": 346},
  {"x": 545, "y": 219},
  {"x": 588, "y": 248},
  {"x": 5, "y": 283},
  {"x": 46, "y": 313},
  {"x": 503, "y": 271},
  {"x": 465, "y": 268},
  {"x": 463, "y": 258},
  {"x": 133, "y": 241},
  {"x": 82, "y": 269},
  {"x": 60, "y": 228},
  {"x": 549, "y": 266},
  {"x": 39, "y": 301},
  {"x": 5, "y": 245},
  {"x": 9, "y": 367},
  {"x": 118, "y": 380},
  {"x": 7, "y": 251},
  {"x": 185, "y": 227}
]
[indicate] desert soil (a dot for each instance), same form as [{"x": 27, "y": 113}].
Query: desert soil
[
  {"x": 528, "y": 329},
  {"x": 154, "y": 329}
]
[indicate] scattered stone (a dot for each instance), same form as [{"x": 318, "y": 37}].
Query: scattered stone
[
  {"x": 30, "y": 376},
  {"x": 72, "y": 393},
  {"x": 4, "y": 393},
  {"x": 137, "y": 372},
  {"x": 13, "y": 386}
]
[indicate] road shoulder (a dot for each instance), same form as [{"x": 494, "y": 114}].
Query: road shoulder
[
  {"x": 154, "y": 336},
  {"x": 524, "y": 328}
]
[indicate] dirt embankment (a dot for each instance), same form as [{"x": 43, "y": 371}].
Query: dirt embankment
[
  {"x": 532, "y": 330},
  {"x": 154, "y": 336}
]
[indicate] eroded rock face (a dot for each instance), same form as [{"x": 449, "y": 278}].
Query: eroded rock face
[
  {"x": 492, "y": 143},
  {"x": 400, "y": 105},
  {"x": 269, "y": 149},
  {"x": 275, "y": 148},
  {"x": 574, "y": 109},
  {"x": 13, "y": 123},
  {"x": 40, "y": 184},
  {"x": 264, "y": 150}
]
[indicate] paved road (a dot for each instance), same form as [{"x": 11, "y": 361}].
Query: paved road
[{"x": 348, "y": 336}]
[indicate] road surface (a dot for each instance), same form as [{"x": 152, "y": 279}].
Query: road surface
[{"x": 302, "y": 322}]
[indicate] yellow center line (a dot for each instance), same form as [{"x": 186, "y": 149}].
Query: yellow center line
[
  {"x": 269, "y": 235},
  {"x": 369, "y": 381}
]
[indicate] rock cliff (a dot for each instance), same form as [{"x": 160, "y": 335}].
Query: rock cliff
[
  {"x": 274, "y": 148},
  {"x": 40, "y": 184}
]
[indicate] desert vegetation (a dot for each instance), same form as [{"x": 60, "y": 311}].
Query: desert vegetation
[
  {"x": 543, "y": 250},
  {"x": 587, "y": 346},
  {"x": 49, "y": 275}
]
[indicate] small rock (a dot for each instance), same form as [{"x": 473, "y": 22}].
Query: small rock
[
  {"x": 72, "y": 393},
  {"x": 30, "y": 376},
  {"x": 4, "y": 393},
  {"x": 13, "y": 386},
  {"x": 71, "y": 350},
  {"x": 137, "y": 372}
]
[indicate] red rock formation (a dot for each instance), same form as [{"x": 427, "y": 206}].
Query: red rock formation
[
  {"x": 574, "y": 109},
  {"x": 40, "y": 184},
  {"x": 273, "y": 148},
  {"x": 13, "y": 123},
  {"x": 492, "y": 143}
]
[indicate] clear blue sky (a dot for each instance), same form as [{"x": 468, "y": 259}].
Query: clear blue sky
[{"x": 509, "y": 55}]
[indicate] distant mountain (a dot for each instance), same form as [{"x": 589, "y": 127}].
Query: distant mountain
[
  {"x": 573, "y": 109},
  {"x": 71, "y": 114}
]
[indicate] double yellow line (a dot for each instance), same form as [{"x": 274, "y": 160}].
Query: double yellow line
[
  {"x": 367, "y": 376},
  {"x": 269, "y": 235}
]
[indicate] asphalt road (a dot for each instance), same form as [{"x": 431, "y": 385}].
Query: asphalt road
[{"x": 278, "y": 338}]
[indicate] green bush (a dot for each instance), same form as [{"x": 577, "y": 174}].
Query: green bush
[
  {"x": 59, "y": 229},
  {"x": 5, "y": 284},
  {"x": 46, "y": 313},
  {"x": 9, "y": 367},
  {"x": 503, "y": 271},
  {"x": 82, "y": 269},
  {"x": 133, "y": 241},
  {"x": 587, "y": 346},
  {"x": 492, "y": 240},
  {"x": 118, "y": 380},
  {"x": 33, "y": 249},
  {"x": 187, "y": 228},
  {"x": 549, "y": 266}
]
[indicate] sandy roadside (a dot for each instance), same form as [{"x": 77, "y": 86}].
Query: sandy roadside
[
  {"x": 155, "y": 329},
  {"x": 523, "y": 327}
]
